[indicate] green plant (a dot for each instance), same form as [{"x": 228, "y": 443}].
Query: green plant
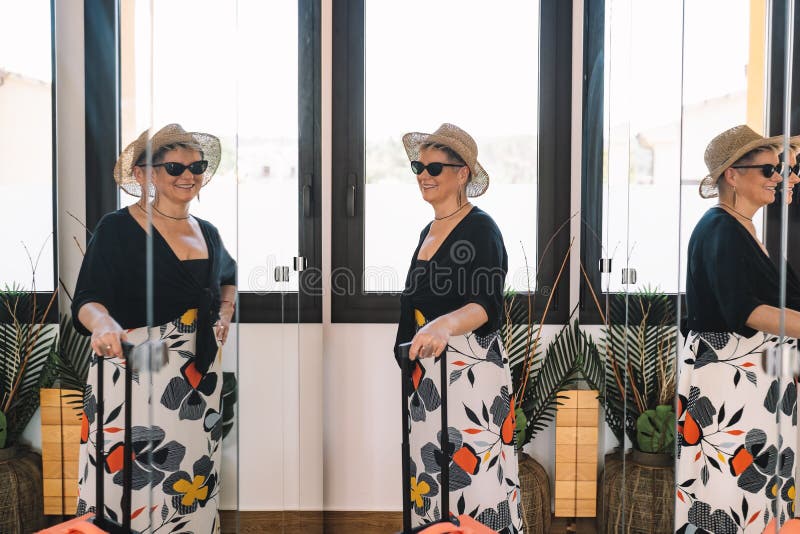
[
  {"x": 73, "y": 357},
  {"x": 27, "y": 348},
  {"x": 639, "y": 349},
  {"x": 655, "y": 430},
  {"x": 571, "y": 356}
]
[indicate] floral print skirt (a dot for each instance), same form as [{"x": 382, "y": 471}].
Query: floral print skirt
[
  {"x": 736, "y": 436},
  {"x": 176, "y": 454},
  {"x": 483, "y": 462}
]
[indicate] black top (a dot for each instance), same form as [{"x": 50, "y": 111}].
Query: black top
[
  {"x": 113, "y": 273},
  {"x": 469, "y": 266},
  {"x": 728, "y": 276}
]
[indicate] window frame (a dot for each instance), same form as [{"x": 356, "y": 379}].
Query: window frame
[
  {"x": 102, "y": 75},
  {"x": 348, "y": 162},
  {"x": 775, "y": 122},
  {"x": 592, "y": 145}
]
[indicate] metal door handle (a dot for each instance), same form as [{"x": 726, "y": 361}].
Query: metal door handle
[
  {"x": 351, "y": 201},
  {"x": 306, "y": 201}
]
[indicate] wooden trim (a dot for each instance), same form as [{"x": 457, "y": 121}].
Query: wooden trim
[
  {"x": 330, "y": 522},
  {"x": 756, "y": 66}
]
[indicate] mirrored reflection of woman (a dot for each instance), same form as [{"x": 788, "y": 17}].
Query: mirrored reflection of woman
[
  {"x": 177, "y": 425},
  {"x": 735, "y": 465},
  {"x": 453, "y": 303}
]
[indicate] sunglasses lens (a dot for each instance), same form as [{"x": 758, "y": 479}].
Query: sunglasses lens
[
  {"x": 796, "y": 169},
  {"x": 417, "y": 167},
  {"x": 198, "y": 167},
  {"x": 435, "y": 168},
  {"x": 174, "y": 169}
]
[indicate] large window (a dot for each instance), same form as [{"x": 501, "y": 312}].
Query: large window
[
  {"x": 664, "y": 101},
  {"x": 26, "y": 145},
  {"x": 263, "y": 105},
  {"x": 412, "y": 69}
]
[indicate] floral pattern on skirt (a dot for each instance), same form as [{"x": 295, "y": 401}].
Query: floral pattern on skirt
[
  {"x": 736, "y": 436},
  {"x": 484, "y": 482},
  {"x": 176, "y": 455}
]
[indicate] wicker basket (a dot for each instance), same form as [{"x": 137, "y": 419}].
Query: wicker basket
[
  {"x": 640, "y": 498},
  {"x": 21, "y": 508},
  {"x": 535, "y": 489}
]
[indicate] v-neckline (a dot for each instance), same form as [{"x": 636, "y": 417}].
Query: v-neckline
[
  {"x": 753, "y": 240},
  {"x": 158, "y": 237},
  {"x": 445, "y": 240}
]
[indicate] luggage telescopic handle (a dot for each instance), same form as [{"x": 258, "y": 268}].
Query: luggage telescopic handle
[
  {"x": 403, "y": 356},
  {"x": 406, "y": 366}
]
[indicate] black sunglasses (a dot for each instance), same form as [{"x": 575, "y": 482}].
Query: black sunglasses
[
  {"x": 795, "y": 169},
  {"x": 174, "y": 168},
  {"x": 434, "y": 169},
  {"x": 767, "y": 169}
]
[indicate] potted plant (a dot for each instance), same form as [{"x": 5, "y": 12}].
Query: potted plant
[
  {"x": 537, "y": 380},
  {"x": 639, "y": 347},
  {"x": 27, "y": 346}
]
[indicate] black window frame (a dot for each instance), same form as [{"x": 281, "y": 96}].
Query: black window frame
[
  {"x": 775, "y": 122},
  {"x": 349, "y": 302},
  {"x": 101, "y": 55},
  {"x": 592, "y": 144}
]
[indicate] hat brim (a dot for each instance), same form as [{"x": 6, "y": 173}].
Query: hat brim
[
  {"x": 708, "y": 185},
  {"x": 480, "y": 178},
  {"x": 123, "y": 169}
]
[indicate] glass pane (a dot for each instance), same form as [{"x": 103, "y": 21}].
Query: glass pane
[
  {"x": 615, "y": 234},
  {"x": 785, "y": 385},
  {"x": 26, "y": 145},
  {"x": 728, "y": 440},
  {"x": 216, "y": 88},
  {"x": 483, "y": 89}
]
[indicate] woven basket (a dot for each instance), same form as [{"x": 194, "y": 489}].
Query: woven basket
[
  {"x": 535, "y": 489},
  {"x": 21, "y": 508},
  {"x": 640, "y": 501}
]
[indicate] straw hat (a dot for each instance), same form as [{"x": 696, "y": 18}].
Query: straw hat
[
  {"x": 461, "y": 143},
  {"x": 728, "y": 147},
  {"x": 168, "y": 135}
]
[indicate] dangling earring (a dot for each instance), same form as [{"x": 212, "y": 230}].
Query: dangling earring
[
  {"x": 734, "y": 196},
  {"x": 459, "y": 198}
]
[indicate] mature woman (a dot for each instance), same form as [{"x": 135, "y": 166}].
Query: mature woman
[
  {"x": 176, "y": 418},
  {"x": 735, "y": 463},
  {"x": 452, "y": 306}
]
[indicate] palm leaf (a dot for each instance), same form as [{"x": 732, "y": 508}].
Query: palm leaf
[
  {"x": 27, "y": 346},
  {"x": 567, "y": 355},
  {"x": 73, "y": 357},
  {"x": 640, "y": 365}
]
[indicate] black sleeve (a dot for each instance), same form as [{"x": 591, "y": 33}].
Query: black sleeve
[
  {"x": 99, "y": 271},
  {"x": 731, "y": 267},
  {"x": 226, "y": 264},
  {"x": 227, "y": 271},
  {"x": 486, "y": 277}
]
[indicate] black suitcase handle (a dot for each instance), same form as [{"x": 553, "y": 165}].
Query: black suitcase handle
[
  {"x": 100, "y": 519},
  {"x": 405, "y": 366}
]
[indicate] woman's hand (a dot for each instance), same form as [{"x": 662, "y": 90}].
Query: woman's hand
[
  {"x": 223, "y": 325},
  {"x": 107, "y": 337},
  {"x": 430, "y": 340}
]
